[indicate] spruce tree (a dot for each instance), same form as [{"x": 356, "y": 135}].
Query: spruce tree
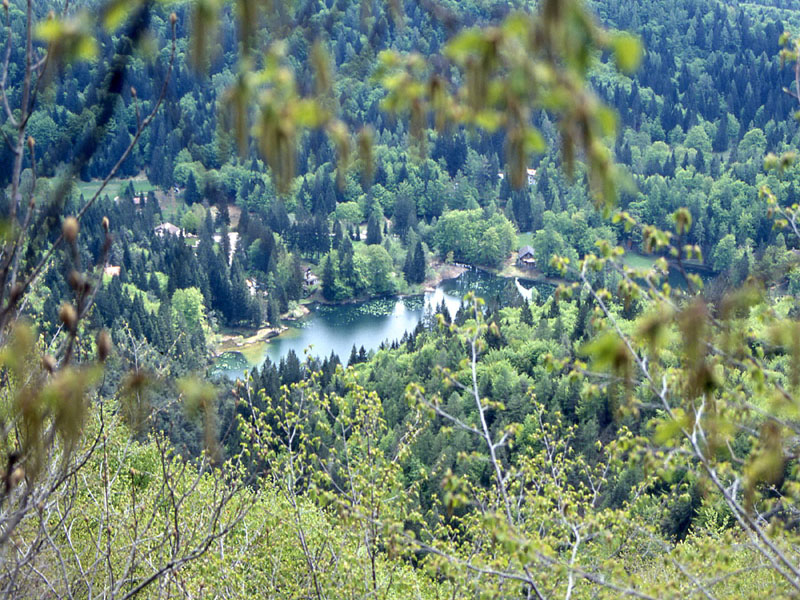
[
  {"x": 525, "y": 314},
  {"x": 192, "y": 193},
  {"x": 273, "y": 312},
  {"x": 153, "y": 284},
  {"x": 555, "y": 310},
  {"x": 346, "y": 265},
  {"x": 290, "y": 369},
  {"x": 408, "y": 266},
  {"x": 721, "y": 140},
  {"x": 338, "y": 235},
  {"x": 328, "y": 279},
  {"x": 374, "y": 230},
  {"x": 700, "y": 162},
  {"x": 322, "y": 238},
  {"x": 418, "y": 264},
  {"x": 244, "y": 222}
]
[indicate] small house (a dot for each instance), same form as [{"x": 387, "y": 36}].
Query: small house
[
  {"x": 167, "y": 229},
  {"x": 526, "y": 257},
  {"x": 310, "y": 278}
]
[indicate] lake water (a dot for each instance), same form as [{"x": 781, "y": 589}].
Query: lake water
[{"x": 336, "y": 328}]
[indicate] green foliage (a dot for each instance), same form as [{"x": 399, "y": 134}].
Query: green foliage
[
  {"x": 627, "y": 437},
  {"x": 473, "y": 239},
  {"x": 187, "y": 307}
]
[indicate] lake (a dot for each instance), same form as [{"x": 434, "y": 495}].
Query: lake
[{"x": 338, "y": 327}]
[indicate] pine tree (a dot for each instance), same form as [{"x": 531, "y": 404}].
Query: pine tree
[
  {"x": 418, "y": 264},
  {"x": 244, "y": 222},
  {"x": 555, "y": 309},
  {"x": 153, "y": 284},
  {"x": 338, "y": 235},
  {"x": 273, "y": 312},
  {"x": 444, "y": 311},
  {"x": 374, "y": 230},
  {"x": 669, "y": 166},
  {"x": 408, "y": 266},
  {"x": 346, "y": 266},
  {"x": 353, "y": 356},
  {"x": 226, "y": 243},
  {"x": 700, "y": 162},
  {"x": 525, "y": 314},
  {"x": 322, "y": 238},
  {"x": 721, "y": 140},
  {"x": 521, "y": 205},
  {"x": 192, "y": 194},
  {"x": 290, "y": 369},
  {"x": 295, "y": 280},
  {"x": 405, "y": 215},
  {"x": 328, "y": 279}
]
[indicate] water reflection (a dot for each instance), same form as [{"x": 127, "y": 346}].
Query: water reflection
[{"x": 337, "y": 328}]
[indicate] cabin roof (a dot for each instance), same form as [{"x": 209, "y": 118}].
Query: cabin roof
[{"x": 169, "y": 228}]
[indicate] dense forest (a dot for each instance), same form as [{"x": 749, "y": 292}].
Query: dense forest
[{"x": 180, "y": 174}]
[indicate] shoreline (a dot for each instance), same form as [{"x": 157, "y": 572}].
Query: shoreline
[
  {"x": 242, "y": 340},
  {"x": 245, "y": 341},
  {"x": 239, "y": 342},
  {"x": 442, "y": 272}
]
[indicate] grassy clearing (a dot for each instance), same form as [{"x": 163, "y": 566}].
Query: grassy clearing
[
  {"x": 114, "y": 187},
  {"x": 524, "y": 239},
  {"x": 638, "y": 261},
  {"x": 170, "y": 207}
]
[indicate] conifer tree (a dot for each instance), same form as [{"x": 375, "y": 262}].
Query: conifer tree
[
  {"x": 374, "y": 230},
  {"x": 290, "y": 369},
  {"x": 346, "y": 267},
  {"x": 244, "y": 222},
  {"x": 700, "y": 162},
  {"x": 338, "y": 235},
  {"x": 353, "y": 356},
  {"x": 408, "y": 266},
  {"x": 721, "y": 139},
  {"x": 418, "y": 264},
  {"x": 273, "y": 312},
  {"x": 328, "y": 279},
  {"x": 192, "y": 193},
  {"x": 525, "y": 314}
]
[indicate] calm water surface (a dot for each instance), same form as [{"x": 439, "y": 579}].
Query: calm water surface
[{"x": 337, "y": 328}]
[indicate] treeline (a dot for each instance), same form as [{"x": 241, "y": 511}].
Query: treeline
[
  {"x": 695, "y": 123},
  {"x": 699, "y": 117}
]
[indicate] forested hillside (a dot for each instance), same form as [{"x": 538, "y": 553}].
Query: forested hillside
[
  {"x": 696, "y": 121},
  {"x": 181, "y": 178}
]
